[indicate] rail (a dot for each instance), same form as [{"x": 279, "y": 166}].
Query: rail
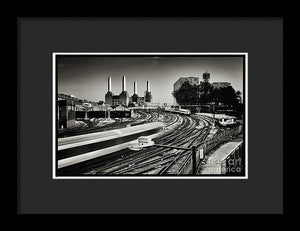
[{"x": 204, "y": 147}]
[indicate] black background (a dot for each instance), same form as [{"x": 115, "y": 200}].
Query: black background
[{"x": 262, "y": 38}]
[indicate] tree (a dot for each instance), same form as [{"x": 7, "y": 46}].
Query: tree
[
  {"x": 205, "y": 88},
  {"x": 205, "y": 93},
  {"x": 187, "y": 94},
  {"x": 227, "y": 96}
]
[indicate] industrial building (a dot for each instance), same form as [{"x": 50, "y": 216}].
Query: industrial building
[
  {"x": 137, "y": 100},
  {"x": 123, "y": 98},
  {"x": 70, "y": 108},
  {"x": 220, "y": 84},
  {"x": 181, "y": 80},
  {"x": 195, "y": 81},
  {"x": 66, "y": 106},
  {"x": 148, "y": 96}
]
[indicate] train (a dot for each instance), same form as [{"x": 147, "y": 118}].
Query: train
[
  {"x": 225, "y": 121},
  {"x": 178, "y": 111},
  {"x": 76, "y": 149}
]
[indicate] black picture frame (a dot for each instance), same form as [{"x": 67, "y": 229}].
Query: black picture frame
[{"x": 262, "y": 38}]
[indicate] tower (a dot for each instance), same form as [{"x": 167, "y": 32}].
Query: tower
[
  {"x": 135, "y": 88},
  {"x": 134, "y": 98},
  {"x": 124, "y": 97},
  {"x": 148, "y": 96},
  {"x": 109, "y": 84},
  {"x": 124, "y": 83},
  {"x": 109, "y": 94},
  {"x": 206, "y": 77}
]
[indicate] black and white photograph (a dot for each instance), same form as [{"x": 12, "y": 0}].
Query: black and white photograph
[{"x": 150, "y": 115}]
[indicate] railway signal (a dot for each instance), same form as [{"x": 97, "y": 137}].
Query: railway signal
[{"x": 213, "y": 108}]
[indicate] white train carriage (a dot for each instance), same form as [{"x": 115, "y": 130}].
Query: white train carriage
[
  {"x": 226, "y": 121},
  {"x": 76, "y": 149},
  {"x": 184, "y": 111},
  {"x": 178, "y": 111}
]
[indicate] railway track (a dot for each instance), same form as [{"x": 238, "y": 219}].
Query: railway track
[
  {"x": 127, "y": 155},
  {"x": 177, "y": 165},
  {"x": 89, "y": 126},
  {"x": 169, "y": 163},
  {"x": 158, "y": 160}
]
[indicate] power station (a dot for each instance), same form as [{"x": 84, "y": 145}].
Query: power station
[
  {"x": 148, "y": 96},
  {"x": 123, "y": 98}
]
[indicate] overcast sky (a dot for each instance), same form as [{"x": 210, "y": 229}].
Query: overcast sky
[{"x": 86, "y": 76}]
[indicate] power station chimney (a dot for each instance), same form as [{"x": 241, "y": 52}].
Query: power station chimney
[
  {"x": 109, "y": 94},
  {"x": 135, "y": 87},
  {"x": 124, "y": 83},
  {"x": 148, "y": 86},
  {"x": 148, "y": 96},
  {"x": 124, "y": 97},
  {"x": 109, "y": 84}
]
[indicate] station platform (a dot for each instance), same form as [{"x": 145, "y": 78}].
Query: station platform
[{"x": 213, "y": 164}]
